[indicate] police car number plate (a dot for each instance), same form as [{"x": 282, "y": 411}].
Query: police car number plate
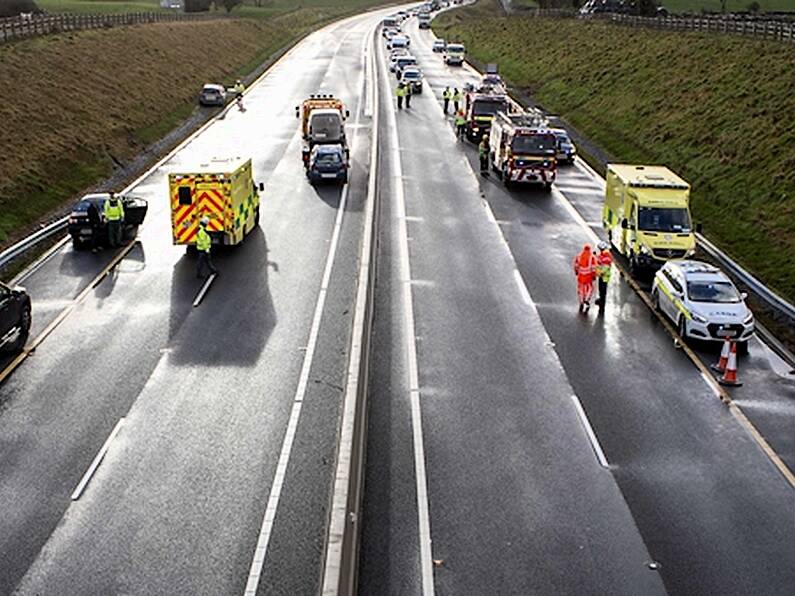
[{"x": 328, "y": 175}]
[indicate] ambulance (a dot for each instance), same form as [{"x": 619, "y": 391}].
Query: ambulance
[
  {"x": 647, "y": 215},
  {"x": 224, "y": 192}
]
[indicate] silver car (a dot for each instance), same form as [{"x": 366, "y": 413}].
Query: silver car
[{"x": 212, "y": 95}]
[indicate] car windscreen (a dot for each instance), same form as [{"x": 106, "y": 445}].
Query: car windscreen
[
  {"x": 328, "y": 158},
  {"x": 534, "y": 144},
  {"x": 406, "y": 60},
  {"x": 325, "y": 123},
  {"x": 454, "y": 49},
  {"x": 488, "y": 107},
  {"x": 412, "y": 75},
  {"x": 712, "y": 291},
  {"x": 656, "y": 219}
]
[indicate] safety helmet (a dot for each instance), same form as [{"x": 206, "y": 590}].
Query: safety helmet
[
  {"x": 485, "y": 136},
  {"x": 204, "y": 220},
  {"x": 602, "y": 245}
]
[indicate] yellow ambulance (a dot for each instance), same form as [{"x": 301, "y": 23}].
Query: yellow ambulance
[
  {"x": 647, "y": 215},
  {"x": 224, "y": 192}
]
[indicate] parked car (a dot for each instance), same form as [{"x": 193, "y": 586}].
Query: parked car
[
  {"x": 80, "y": 228},
  {"x": 702, "y": 302},
  {"x": 439, "y": 45},
  {"x": 412, "y": 75},
  {"x": 566, "y": 150},
  {"x": 15, "y": 318},
  {"x": 327, "y": 163},
  {"x": 403, "y": 62},
  {"x": 398, "y": 41},
  {"x": 212, "y": 95}
]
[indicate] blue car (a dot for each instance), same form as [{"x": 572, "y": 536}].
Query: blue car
[{"x": 327, "y": 163}]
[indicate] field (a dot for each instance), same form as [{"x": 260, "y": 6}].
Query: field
[
  {"x": 77, "y": 104},
  {"x": 718, "y": 109}
]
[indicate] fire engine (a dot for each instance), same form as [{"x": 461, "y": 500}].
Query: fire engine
[{"x": 522, "y": 148}]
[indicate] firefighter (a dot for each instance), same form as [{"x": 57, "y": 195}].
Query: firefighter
[
  {"x": 483, "y": 153},
  {"x": 460, "y": 124},
  {"x": 604, "y": 267},
  {"x": 114, "y": 215},
  {"x": 446, "y": 95},
  {"x": 203, "y": 244},
  {"x": 400, "y": 93},
  {"x": 456, "y": 99},
  {"x": 585, "y": 270}
]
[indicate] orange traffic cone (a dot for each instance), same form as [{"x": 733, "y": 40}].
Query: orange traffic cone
[
  {"x": 724, "y": 357},
  {"x": 730, "y": 374}
]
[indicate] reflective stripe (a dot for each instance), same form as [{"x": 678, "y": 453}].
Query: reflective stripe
[{"x": 675, "y": 301}]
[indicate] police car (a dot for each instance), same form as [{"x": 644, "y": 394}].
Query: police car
[{"x": 702, "y": 302}]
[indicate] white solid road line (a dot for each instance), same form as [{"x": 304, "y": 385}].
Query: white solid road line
[
  {"x": 266, "y": 528},
  {"x": 204, "y": 288},
  {"x": 423, "y": 507},
  {"x": 97, "y": 460},
  {"x": 597, "y": 448}
]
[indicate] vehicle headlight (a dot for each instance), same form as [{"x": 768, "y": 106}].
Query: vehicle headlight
[
  {"x": 749, "y": 319},
  {"x": 690, "y": 253},
  {"x": 645, "y": 250},
  {"x": 698, "y": 318}
]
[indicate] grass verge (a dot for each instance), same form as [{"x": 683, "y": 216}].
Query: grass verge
[
  {"x": 76, "y": 105},
  {"x": 708, "y": 106}
]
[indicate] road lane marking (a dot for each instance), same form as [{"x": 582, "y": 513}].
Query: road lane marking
[
  {"x": 203, "y": 290},
  {"x": 37, "y": 264},
  {"x": 708, "y": 378},
  {"x": 97, "y": 460},
  {"x": 522, "y": 287},
  {"x": 423, "y": 507},
  {"x": 31, "y": 347},
  {"x": 597, "y": 448},
  {"x": 269, "y": 517}
]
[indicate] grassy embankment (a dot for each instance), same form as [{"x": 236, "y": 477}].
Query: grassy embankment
[
  {"x": 694, "y": 6},
  {"x": 718, "y": 109},
  {"x": 75, "y": 103}
]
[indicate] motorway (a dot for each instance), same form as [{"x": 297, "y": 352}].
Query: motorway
[
  {"x": 478, "y": 349},
  {"x": 214, "y": 399},
  {"x": 514, "y": 446}
]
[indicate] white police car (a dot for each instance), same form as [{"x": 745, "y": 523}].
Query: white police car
[{"x": 702, "y": 302}]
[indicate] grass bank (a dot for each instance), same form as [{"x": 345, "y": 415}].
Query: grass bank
[
  {"x": 718, "y": 109},
  {"x": 76, "y": 105}
]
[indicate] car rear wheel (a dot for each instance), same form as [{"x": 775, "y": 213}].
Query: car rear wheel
[{"x": 24, "y": 329}]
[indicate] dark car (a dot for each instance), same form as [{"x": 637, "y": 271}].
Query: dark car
[
  {"x": 81, "y": 230},
  {"x": 14, "y": 318},
  {"x": 327, "y": 163}
]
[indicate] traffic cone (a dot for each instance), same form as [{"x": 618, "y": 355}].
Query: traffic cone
[
  {"x": 724, "y": 357},
  {"x": 729, "y": 377}
]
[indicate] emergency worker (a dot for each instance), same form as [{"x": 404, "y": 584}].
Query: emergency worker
[
  {"x": 114, "y": 215},
  {"x": 400, "y": 93},
  {"x": 460, "y": 124},
  {"x": 95, "y": 221},
  {"x": 456, "y": 99},
  {"x": 483, "y": 153},
  {"x": 446, "y": 95},
  {"x": 585, "y": 270},
  {"x": 239, "y": 88},
  {"x": 409, "y": 92},
  {"x": 604, "y": 268},
  {"x": 203, "y": 244}
]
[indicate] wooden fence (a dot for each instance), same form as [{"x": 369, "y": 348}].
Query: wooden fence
[
  {"x": 37, "y": 25},
  {"x": 769, "y": 29}
]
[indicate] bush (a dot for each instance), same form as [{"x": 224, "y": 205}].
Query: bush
[{"x": 11, "y": 8}]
